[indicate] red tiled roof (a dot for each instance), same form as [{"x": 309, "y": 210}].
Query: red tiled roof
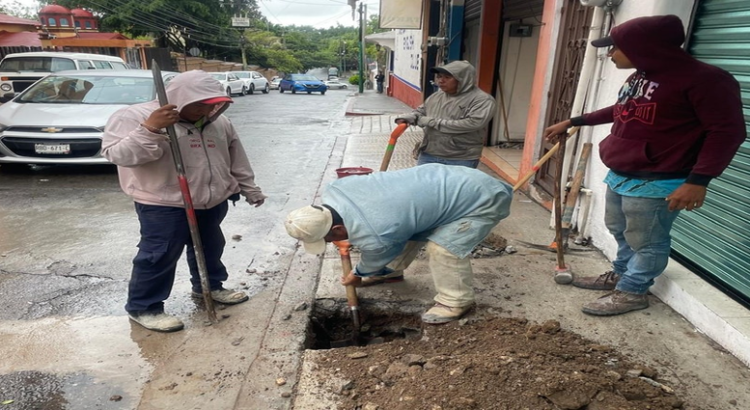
[
  {"x": 101, "y": 36},
  {"x": 6, "y": 19},
  {"x": 81, "y": 13},
  {"x": 24, "y": 38},
  {"x": 54, "y": 9}
]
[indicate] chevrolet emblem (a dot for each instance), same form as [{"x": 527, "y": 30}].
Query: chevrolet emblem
[{"x": 52, "y": 130}]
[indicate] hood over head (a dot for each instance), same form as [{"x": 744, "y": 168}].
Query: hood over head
[
  {"x": 462, "y": 70},
  {"x": 197, "y": 86},
  {"x": 652, "y": 43}
]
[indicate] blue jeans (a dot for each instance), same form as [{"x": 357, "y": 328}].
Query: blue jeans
[
  {"x": 164, "y": 234},
  {"x": 641, "y": 228},
  {"x": 425, "y": 158}
]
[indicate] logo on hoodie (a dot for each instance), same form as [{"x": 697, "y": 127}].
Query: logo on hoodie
[
  {"x": 638, "y": 87},
  {"x": 631, "y": 110}
]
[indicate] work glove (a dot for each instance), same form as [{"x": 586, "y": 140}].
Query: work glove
[{"x": 425, "y": 121}]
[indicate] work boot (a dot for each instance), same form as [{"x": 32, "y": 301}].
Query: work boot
[
  {"x": 606, "y": 281},
  {"x": 225, "y": 296},
  {"x": 158, "y": 321},
  {"x": 616, "y": 303},
  {"x": 393, "y": 277},
  {"x": 440, "y": 314}
]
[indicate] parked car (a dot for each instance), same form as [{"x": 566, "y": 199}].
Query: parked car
[
  {"x": 253, "y": 81},
  {"x": 60, "y": 119},
  {"x": 19, "y": 70},
  {"x": 335, "y": 83},
  {"x": 302, "y": 83},
  {"x": 275, "y": 83},
  {"x": 231, "y": 83}
]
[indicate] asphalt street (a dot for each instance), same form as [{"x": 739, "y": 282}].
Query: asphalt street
[{"x": 68, "y": 235}]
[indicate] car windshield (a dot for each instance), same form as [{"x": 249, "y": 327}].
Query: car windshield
[
  {"x": 304, "y": 77},
  {"x": 219, "y": 76},
  {"x": 37, "y": 64},
  {"x": 89, "y": 89},
  {"x": 242, "y": 75}
]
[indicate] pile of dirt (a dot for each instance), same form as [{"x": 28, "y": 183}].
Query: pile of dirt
[{"x": 494, "y": 363}]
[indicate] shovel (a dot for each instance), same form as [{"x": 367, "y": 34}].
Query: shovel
[
  {"x": 391, "y": 145},
  {"x": 186, "y": 198},
  {"x": 351, "y": 295}
]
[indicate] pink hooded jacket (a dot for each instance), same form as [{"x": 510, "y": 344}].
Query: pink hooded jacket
[{"x": 215, "y": 161}]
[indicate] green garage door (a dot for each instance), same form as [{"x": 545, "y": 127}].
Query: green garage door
[{"x": 715, "y": 240}]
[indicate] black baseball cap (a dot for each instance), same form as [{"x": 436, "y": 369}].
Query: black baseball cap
[
  {"x": 440, "y": 70},
  {"x": 603, "y": 42}
]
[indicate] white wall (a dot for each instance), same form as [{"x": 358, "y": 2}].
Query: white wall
[
  {"x": 407, "y": 60},
  {"x": 516, "y": 73},
  {"x": 610, "y": 81}
]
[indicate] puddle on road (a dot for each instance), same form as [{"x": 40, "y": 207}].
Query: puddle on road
[
  {"x": 71, "y": 363},
  {"x": 32, "y": 390}
]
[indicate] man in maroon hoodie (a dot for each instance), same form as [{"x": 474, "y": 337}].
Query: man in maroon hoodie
[{"x": 677, "y": 123}]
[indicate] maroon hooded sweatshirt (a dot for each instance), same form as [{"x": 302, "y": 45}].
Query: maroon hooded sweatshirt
[{"x": 675, "y": 117}]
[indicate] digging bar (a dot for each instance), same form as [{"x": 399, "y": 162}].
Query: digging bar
[{"x": 186, "y": 198}]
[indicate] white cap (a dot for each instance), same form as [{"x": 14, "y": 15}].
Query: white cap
[{"x": 310, "y": 225}]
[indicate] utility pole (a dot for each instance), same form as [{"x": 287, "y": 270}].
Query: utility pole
[
  {"x": 242, "y": 49},
  {"x": 362, "y": 26}
]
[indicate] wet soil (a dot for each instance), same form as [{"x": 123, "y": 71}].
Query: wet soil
[{"x": 493, "y": 363}]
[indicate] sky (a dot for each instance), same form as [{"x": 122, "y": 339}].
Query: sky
[{"x": 316, "y": 13}]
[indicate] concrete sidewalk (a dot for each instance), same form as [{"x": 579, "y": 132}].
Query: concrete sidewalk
[
  {"x": 372, "y": 103},
  {"x": 521, "y": 285}
]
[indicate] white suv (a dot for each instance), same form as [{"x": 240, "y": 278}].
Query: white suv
[{"x": 19, "y": 70}]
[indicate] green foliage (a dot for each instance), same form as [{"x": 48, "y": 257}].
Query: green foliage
[
  {"x": 205, "y": 24},
  {"x": 354, "y": 80},
  {"x": 17, "y": 9}
]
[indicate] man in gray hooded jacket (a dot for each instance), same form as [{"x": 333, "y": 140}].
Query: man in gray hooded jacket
[{"x": 454, "y": 119}]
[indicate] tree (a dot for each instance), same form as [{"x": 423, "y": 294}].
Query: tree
[
  {"x": 17, "y": 9},
  {"x": 176, "y": 24},
  {"x": 283, "y": 61}
]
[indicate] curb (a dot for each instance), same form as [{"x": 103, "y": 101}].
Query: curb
[{"x": 350, "y": 110}]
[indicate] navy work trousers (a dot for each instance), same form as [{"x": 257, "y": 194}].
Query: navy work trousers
[{"x": 164, "y": 234}]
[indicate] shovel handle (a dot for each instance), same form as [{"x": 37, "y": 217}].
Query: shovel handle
[
  {"x": 544, "y": 159},
  {"x": 391, "y": 145},
  {"x": 346, "y": 267}
]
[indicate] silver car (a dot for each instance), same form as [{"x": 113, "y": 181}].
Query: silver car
[{"x": 60, "y": 119}]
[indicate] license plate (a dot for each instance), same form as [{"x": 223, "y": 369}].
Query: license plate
[{"x": 52, "y": 148}]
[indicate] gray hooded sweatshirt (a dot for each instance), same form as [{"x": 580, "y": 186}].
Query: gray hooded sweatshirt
[
  {"x": 215, "y": 161},
  {"x": 454, "y": 124}
]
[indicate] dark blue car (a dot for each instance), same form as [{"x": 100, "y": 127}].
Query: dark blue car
[{"x": 302, "y": 83}]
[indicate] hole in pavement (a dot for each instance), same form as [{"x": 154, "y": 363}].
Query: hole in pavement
[{"x": 333, "y": 327}]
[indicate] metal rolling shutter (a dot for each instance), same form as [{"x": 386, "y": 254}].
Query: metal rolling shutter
[
  {"x": 521, "y": 9},
  {"x": 715, "y": 240},
  {"x": 472, "y": 9}
]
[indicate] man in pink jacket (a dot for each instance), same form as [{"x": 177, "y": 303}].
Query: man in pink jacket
[{"x": 217, "y": 170}]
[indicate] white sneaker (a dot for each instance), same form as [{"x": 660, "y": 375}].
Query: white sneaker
[
  {"x": 225, "y": 296},
  {"x": 160, "y": 322},
  {"x": 440, "y": 314}
]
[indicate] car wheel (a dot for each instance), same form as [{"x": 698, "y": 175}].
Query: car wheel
[
  {"x": 252, "y": 88},
  {"x": 309, "y": 92},
  {"x": 322, "y": 93},
  {"x": 265, "y": 90},
  {"x": 281, "y": 90},
  {"x": 294, "y": 91},
  {"x": 229, "y": 91},
  {"x": 244, "y": 90}
]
